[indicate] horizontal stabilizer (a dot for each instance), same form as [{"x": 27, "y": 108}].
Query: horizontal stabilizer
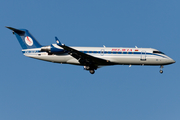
[{"x": 16, "y": 30}]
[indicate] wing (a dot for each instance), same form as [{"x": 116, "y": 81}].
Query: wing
[{"x": 83, "y": 58}]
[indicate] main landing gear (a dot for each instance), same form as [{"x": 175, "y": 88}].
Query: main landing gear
[
  {"x": 92, "y": 71},
  {"x": 90, "y": 68},
  {"x": 161, "y": 71}
]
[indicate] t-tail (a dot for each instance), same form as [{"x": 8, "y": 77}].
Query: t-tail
[{"x": 26, "y": 40}]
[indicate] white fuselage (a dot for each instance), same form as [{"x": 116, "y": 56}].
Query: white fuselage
[
  {"x": 89, "y": 57},
  {"x": 117, "y": 55}
]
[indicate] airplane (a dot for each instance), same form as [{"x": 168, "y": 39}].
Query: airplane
[{"x": 91, "y": 58}]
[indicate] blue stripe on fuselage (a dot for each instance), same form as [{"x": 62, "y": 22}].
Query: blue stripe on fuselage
[
  {"x": 102, "y": 52},
  {"x": 113, "y": 52},
  {"x": 31, "y": 51}
]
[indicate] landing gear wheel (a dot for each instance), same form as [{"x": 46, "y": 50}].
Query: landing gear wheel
[
  {"x": 92, "y": 71},
  {"x": 161, "y": 71}
]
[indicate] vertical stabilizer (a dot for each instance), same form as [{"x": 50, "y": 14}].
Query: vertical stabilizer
[{"x": 26, "y": 40}]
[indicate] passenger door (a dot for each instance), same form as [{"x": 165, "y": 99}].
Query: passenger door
[{"x": 143, "y": 55}]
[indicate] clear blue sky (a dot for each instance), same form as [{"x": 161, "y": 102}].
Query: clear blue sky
[{"x": 37, "y": 90}]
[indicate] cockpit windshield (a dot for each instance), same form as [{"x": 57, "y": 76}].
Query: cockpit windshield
[{"x": 159, "y": 52}]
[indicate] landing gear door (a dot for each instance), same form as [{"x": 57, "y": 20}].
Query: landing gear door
[{"x": 143, "y": 56}]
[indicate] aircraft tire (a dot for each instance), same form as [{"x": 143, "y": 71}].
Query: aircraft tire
[{"x": 92, "y": 71}]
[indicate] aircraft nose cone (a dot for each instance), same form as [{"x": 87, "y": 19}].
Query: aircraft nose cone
[{"x": 172, "y": 61}]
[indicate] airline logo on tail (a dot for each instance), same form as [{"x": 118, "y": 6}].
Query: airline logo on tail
[{"x": 28, "y": 41}]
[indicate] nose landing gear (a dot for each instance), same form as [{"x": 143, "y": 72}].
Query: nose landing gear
[{"x": 161, "y": 71}]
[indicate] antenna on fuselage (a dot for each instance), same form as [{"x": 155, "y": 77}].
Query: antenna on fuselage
[
  {"x": 136, "y": 47},
  {"x": 104, "y": 46}
]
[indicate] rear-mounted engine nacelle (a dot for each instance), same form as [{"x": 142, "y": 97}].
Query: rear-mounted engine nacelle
[
  {"x": 46, "y": 48},
  {"x": 50, "y": 49}
]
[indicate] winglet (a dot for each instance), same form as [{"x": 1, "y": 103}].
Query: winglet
[{"x": 57, "y": 41}]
